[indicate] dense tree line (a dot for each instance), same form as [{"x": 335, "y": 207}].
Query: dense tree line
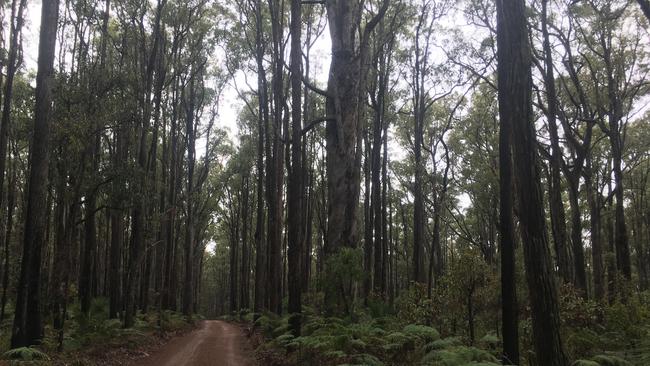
[{"x": 428, "y": 157}]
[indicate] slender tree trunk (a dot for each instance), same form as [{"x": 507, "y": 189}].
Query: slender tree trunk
[
  {"x": 614, "y": 117},
  {"x": 296, "y": 174},
  {"x": 593, "y": 197},
  {"x": 263, "y": 116},
  {"x": 379, "y": 283},
  {"x": 143, "y": 181},
  {"x": 11, "y": 202},
  {"x": 90, "y": 236},
  {"x": 234, "y": 253},
  {"x": 188, "y": 285},
  {"x": 558, "y": 217},
  {"x": 16, "y": 25},
  {"x": 367, "y": 222},
  {"x": 170, "y": 273},
  {"x": 245, "y": 264},
  {"x": 576, "y": 236}
]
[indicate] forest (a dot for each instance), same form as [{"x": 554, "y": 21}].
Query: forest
[{"x": 325, "y": 182}]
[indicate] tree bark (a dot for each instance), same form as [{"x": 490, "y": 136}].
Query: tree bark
[
  {"x": 28, "y": 322},
  {"x": 275, "y": 166},
  {"x": 558, "y": 217},
  {"x": 344, "y": 108},
  {"x": 594, "y": 200},
  {"x": 515, "y": 109},
  {"x": 263, "y": 117},
  {"x": 245, "y": 264},
  {"x": 295, "y": 193}
]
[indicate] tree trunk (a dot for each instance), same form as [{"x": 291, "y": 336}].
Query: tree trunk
[
  {"x": 576, "y": 236},
  {"x": 593, "y": 198},
  {"x": 143, "y": 181},
  {"x": 509, "y": 305},
  {"x": 344, "y": 107},
  {"x": 515, "y": 109},
  {"x": 11, "y": 202},
  {"x": 296, "y": 174},
  {"x": 615, "y": 114},
  {"x": 245, "y": 264},
  {"x": 263, "y": 117},
  {"x": 188, "y": 285},
  {"x": 558, "y": 217},
  {"x": 275, "y": 166},
  {"x": 28, "y": 325},
  {"x": 367, "y": 222}
]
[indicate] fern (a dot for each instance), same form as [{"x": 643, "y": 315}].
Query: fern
[
  {"x": 585, "y": 363},
  {"x": 610, "y": 361},
  {"x": 458, "y": 356},
  {"x": 25, "y": 354},
  {"x": 490, "y": 341},
  {"x": 367, "y": 360},
  {"x": 424, "y": 333},
  {"x": 442, "y": 343}
]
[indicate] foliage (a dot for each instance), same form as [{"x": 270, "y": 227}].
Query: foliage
[
  {"x": 344, "y": 269},
  {"x": 592, "y": 328},
  {"x": 459, "y": 356},
  {"x": 25, "y": 354},
  {"x": 413, "y": 305},
  {"x": 365, "y": 341}
]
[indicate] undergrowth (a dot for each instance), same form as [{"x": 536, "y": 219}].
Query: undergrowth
[
  {"x": 88, "y": 337},
  {"x": 363, "y": 341},
  {"x": 594, "y": 333}
]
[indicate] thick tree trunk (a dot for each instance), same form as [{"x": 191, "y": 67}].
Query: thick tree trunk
[
  {"x": 509, "y": 305},
  {"x": 515, "y": 109},
  {"x": 275, "y": 166},
  {"x": 28, "y": 325},
  {"x": 344, "y": 107}
]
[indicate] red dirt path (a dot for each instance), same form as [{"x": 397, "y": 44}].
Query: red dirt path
[{"x": 215, "y": 343}]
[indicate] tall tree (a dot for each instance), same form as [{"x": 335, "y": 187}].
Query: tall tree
[
  {"x": 558, "y": 217},
  {"x": 28, "y": 322},
  {"x": 515, "y": 108},
  {"x": 274, "y": 161},
  {"x": 296, "y": 174},
  {"x": 345, "y": 102},
  {"x": 261, "y": 258}
]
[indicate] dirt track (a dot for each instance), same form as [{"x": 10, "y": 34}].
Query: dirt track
[{"x": 215, "y": 343}]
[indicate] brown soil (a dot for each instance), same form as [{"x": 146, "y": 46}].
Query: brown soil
[{"x": 215, "y": 343}]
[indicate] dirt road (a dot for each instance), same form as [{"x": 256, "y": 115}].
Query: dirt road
[{"x": 215, "y": 343}]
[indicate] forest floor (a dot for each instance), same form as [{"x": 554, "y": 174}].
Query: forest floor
[{"x": 215, "y": 342}]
